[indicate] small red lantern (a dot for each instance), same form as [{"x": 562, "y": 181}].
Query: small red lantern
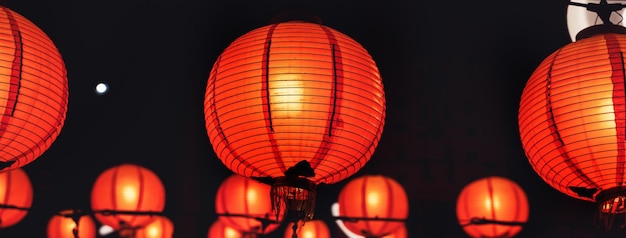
[
  {"x": 294, "y": 104},
  {"x": 492, "y": 207},
  {"x": 33, "y": 91},
  {"x": 310, "y": 229},
  {"x": 160, "y": 227},
  {"x": 16, "y": 191},
  {"x": 373, "y": 205},
  {"x": 245, "y": 205},
  {"x": 125, "y": 196},
  {"x": 63, "y": 226},
  {"x": 220, "y": 230}
]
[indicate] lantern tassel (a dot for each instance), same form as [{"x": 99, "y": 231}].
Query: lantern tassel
[{"x": 611, "y": 208}]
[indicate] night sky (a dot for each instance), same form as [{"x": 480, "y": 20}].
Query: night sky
[{"x": 453, "y": 73}]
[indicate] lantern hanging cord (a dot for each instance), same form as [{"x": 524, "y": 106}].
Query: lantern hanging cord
[
  {"x": 485, "y": 221},
  {"x": 376, "y": 218}
]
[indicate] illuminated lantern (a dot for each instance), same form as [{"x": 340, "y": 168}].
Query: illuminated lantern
[
  {"x": 294, "y": 104},
  {"x": 33, "y": 91},
  {"x": 572, "y": 117},
  {"x": 220, "y": 230},
  {"x": 63, "y": 226},
  {"x": 373, "y": 205},
  {"x": 492, "y": 207},
  {"x": 15, "y": 191},
  {"x": 124, "y": 196},
  {"x": 310, "y": 229},
  {"x": 160, "y": 227},
  {"x": 242, "y": 203},
  {"x": 399, "y": 233}
]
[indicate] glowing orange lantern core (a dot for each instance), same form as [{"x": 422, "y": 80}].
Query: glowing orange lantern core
[
  {"x": 62, "y": 226},
  {"x": 15, "y": 190}
]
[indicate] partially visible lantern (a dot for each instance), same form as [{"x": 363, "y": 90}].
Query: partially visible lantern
[
  {"x": 125, "y": 196},
  {"x": 220, "y": 230},
  {"x": 243, "y": 204},
  {"x": 399, "y": 233},
  {"x": 492, "y": 207},
  {"x": 373, "y": 205},
  {"x": 63, "y": 226},
  {"x": 572, "y": 117},
  {"x": 33, "y": 91},
  {"x": 294, "y": 104},
  {"x": 309, "y": 229},
  {"x": 160, "y": 227},
  {"x": 16, "y": 191}
]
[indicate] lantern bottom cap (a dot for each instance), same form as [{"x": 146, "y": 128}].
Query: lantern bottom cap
[
  {"x": 297, "y": 195},
  {"x": 611, "y": 208}
]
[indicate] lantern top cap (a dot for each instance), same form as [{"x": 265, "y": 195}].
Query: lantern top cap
[{"x": 600, "y": 29}]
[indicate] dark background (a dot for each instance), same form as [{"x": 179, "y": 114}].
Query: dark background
[{"x": 453, "y": 73}]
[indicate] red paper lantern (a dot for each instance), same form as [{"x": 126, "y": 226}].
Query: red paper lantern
[
  {"x": 243, "y": 203},
  {"x": 399, "y": 233},
  {"x": 127, "y": 188},
  {"x": 160, "y": 227},
  {"x": 572, "y": 117},
  {"x": 15, "y": 190},
  {"x": 220, "y": 230},
  {"x": 492, "y": 207},
  {"x": 309, "y": 229},
  {"x": 374, "y": 205},
  {"x": 33, "y": 91},
  {"x": 62, "y": 226},
  {"x": 295, "y": 104}
]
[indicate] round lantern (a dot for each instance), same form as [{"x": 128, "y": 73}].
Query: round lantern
[
  {"x": 294, "y": 104},
  {"x": 220, "y": 230},
  {"x": 16, "y": 194},
  {"x": 127, "y": 196},
  {"x": 373, "y": 205},
  {"x": 245, "y": 205},
  {"x": 310, "y": 229},
  {"x": 33, "y": 91},
  {"x": 399, "y": 233},
  {"x": 492, "y": 207},
  {"x": 63, "y": 225},
  {"x": 572, "y": 117},
  {"x": 160, "y": 227}
]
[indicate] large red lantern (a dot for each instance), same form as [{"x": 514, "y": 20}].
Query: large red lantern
[
  {"x": 373, "y": 205},
  {"x": 295, "y": 104},
  {"x": 492, "y": 207},
  {"x": 127, "y": 196},
  {"x": 16, "y": 193},
  {"x": 220, "y": 230},
  {"x": 310, "y": 229},
  {"x": 572, "y": 117},
  {"x": 33, "y": 91},
  {"x": 63, "y": 225},
  {"x": 160, "y": 227},
  {"x": 245, "y": 205}
]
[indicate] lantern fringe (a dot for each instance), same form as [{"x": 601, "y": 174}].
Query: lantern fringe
[
  {"x": 611, "y": 208},
  {"x": 296, "y": 195}
]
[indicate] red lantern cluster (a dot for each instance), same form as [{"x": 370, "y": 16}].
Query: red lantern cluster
[
  {"x": 160, "y": 227},
  {"x": 33, "y": 91},
  {"x": 220, "y": 230}
]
